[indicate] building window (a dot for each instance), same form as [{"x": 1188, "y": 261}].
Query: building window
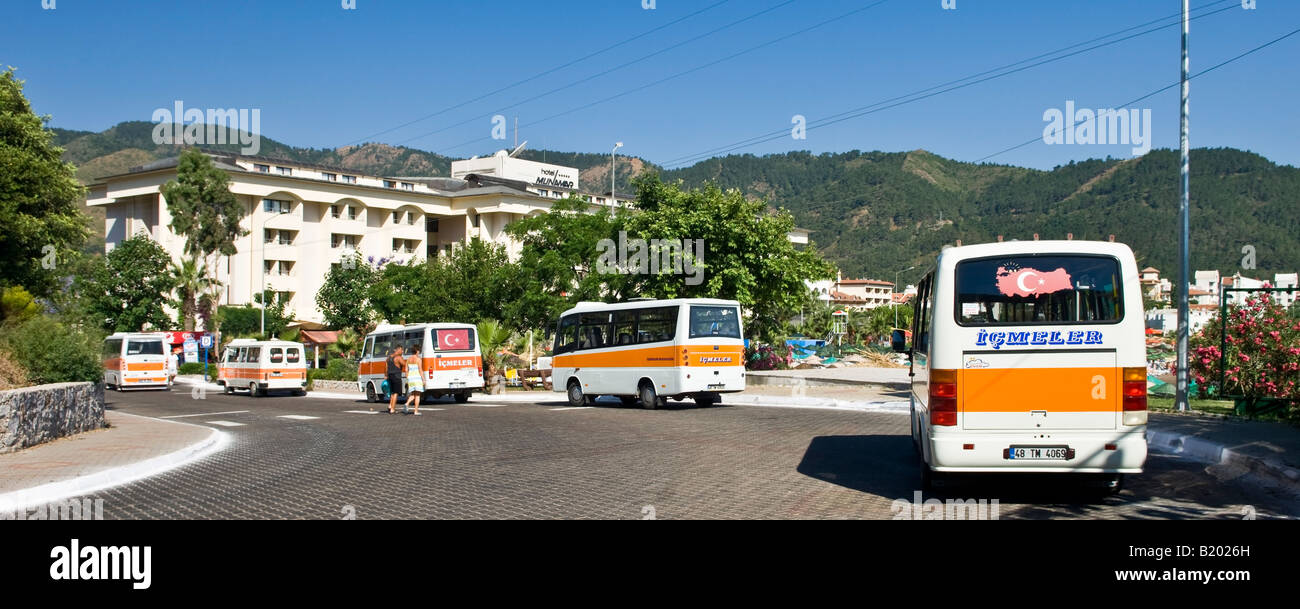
[
  {"x": 352, "y": 212},
  {"x": 268, "y": 235},
  {"x": 347, "y": 242},
  {"x": 410, "y": 218},
  {"x": 544, "y": 192},
  {"x": 276, "y": 206},
  {"x": 390, "y": 184},
  {"x": 397, "y": 217},
  {"x": 333, "y": 177},
  {"x": 473, "y": 220},
  {"x": 431, "y": 225},
  {"x": 284, "y": 171},
  {"x": 347, "y": 179},
  {"x": 408, "y": 186},
  {"x": 334, "y": 211},
  {"x": 258, "y": 167}
]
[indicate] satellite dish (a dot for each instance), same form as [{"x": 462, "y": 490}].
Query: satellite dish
[{"x": 518, "y": 149}]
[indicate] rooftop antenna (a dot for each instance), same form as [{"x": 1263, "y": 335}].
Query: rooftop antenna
[{"x": 519, "y": 148}]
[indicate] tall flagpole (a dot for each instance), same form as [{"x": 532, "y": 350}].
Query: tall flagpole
[{"x": 1184, "y": 250}]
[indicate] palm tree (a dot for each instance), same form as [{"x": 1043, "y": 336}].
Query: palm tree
[
  {"x": 346, "y": 344},
  {"x": 492, "y": 339},
  {"x": 191, "y": 281}
]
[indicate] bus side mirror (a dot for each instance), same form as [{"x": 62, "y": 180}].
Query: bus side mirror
[{"x": 898, "y": 340}]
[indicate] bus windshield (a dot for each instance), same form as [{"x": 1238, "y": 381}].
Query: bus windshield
[
  {"x": 714, "y": 321},
  {"x": 1024, "y": 290}
]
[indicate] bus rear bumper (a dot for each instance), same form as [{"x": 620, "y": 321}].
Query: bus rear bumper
[{"x": 1109, "y": 452}]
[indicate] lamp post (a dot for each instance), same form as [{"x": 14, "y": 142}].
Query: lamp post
[
  {"x": 613, "y": 168},
  {"x": 262, "y": 289},
  {"x": 891, "y": 298}
]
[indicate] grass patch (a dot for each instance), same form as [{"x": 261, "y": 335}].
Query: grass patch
[{"x": 1219, "y": 407}]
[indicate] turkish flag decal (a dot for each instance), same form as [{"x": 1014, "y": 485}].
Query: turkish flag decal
[
  {"x": 453, "y": 340},
  {"x": 1029, "y": 281}
]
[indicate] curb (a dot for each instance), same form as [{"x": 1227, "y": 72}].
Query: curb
[
  {"x": 116, "y": 476},
  {"x": 1200, "y": 449}
]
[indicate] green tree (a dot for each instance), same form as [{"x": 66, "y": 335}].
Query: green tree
[
  {"x": 17, "y": 305},
  {"x": 493, "y": 337},
  {"x": 191, "y": 282},
  {"x": 344, "y": 297},
  {"x": 747, "y": 253},
  {"x": 124, "y": 290},
  {"x": 473, "y": 284},
  {"x": 203, "y": 210},
  {"x": 53, "y": 352},
  {"x": 245, "y": 321},
  {"x": 558, "y": 263},
  {"x": 39, "y": 197}
]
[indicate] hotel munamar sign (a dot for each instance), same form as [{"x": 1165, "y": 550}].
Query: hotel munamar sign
[{"x": 504, "y": 166}]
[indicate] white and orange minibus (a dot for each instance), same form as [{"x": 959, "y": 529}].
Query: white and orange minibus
[
  {"x": 136, "y": 360},
  {"x": 262, "y": 366},
  {"x": 449, "y": 354},
  {"x": 1029, "y": 356},
  {"x": 647, "y": 351}
]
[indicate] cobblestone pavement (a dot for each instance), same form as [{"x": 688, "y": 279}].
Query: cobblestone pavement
[{"x": 544, "y": 460}]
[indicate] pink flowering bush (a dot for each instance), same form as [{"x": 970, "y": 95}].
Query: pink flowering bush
[{"x": 1263, "y": 351}]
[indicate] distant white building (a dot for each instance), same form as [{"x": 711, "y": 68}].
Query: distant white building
[{"x": 1166, "y": 320}]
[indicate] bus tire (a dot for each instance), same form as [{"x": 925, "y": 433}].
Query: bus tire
[
  {"x": 227, "y": 389},
  {"x": 252, "y": 390},
  {"x": 462, "y": 397},
  {"x": 371, "y": 397},
  {"x": 649, "y": 399},
  {"x": 576, "y": 398}
]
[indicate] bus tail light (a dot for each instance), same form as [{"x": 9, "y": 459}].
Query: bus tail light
[
  {"x": 943, "y": 398},
  {"x": 1135, "y": 396}
]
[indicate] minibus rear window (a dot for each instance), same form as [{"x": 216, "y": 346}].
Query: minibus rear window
[
  {"x": 457, "y": 339},
  {"x": 1026, "y": 290},
  {"x": 144, "y": 347},
  {"x": 714, "y": 322}
]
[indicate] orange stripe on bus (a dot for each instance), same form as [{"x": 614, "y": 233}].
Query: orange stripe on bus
[
  {"x": 1028, "y": 389},
  {"x": 656, "y": 357},
  {"x": 144, "y": 367}
]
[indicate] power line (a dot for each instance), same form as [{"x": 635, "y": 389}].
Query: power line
[
  {"x": 602, "y": 73},
  {"x": 932, "y": 92},
  {"x": 684, "y": 73},
  {"x": 1162, "y": 89},
  {"x": 541, "y": 74}
]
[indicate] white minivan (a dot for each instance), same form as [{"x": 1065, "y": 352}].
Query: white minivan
[
  {"x": 261, "y": 366},
  {"x": 1029, "y": 356}
]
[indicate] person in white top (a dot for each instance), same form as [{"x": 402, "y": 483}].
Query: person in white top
[{"x": 172, "y": 366}]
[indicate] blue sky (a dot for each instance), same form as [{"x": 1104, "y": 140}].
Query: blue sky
[{"x": 324, "y": 76}]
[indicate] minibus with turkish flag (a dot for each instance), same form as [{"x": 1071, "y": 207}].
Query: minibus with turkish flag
[
  {"x": 1029, "y": 356},
  {"x": 450, "y": 361}
]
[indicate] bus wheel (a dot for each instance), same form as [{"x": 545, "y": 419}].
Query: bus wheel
[
  {"x": 649, "y": 400},
  {"x": 462, "y": 397},
  {"x": 1113, "y": 484},
  {"x": 227, "y": 389},
  {"x": 252, "y": 390},
  {"x": 370, "y": 393},
  {"x": 575, "y": 394}
]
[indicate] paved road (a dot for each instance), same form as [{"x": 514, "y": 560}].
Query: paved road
[{"x": 543, "y": 460}]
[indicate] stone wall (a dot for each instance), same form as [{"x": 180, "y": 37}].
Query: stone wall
[
  {"x": 334, "y": 386},
  {"x": 33, "y": 415}
]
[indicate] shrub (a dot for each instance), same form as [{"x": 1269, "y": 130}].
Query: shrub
[
  {"x": 12, "y": 375},
  {"x": 193, "y": 368},
  {"x": 1263, "y": 355},
  {"x": 51, "y": 352},
  {"x": 338, "y": 369}
]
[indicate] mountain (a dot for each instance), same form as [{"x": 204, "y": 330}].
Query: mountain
[{"x": 874, "y": 213}]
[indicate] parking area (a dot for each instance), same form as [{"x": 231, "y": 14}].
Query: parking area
[{"x": 305, "y": 457}]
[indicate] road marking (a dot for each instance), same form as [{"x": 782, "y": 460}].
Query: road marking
[
  {"x": 486, "y": 405},
  {"x": 226, "y": 423},
  {"x": 362, "y": 411},
  {"x": 206, "y": 414},
  {"x": 297, "y": 417},
  {"x": 574, "y": 408}
]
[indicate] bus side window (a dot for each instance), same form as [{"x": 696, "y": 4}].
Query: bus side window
[
  {"x": 921, "y": 315},
  {"x": 624, "y": 327},
  {"x": 566, "y": 338}
]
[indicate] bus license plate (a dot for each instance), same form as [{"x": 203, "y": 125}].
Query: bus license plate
[
  {"x": 718, "y": 386},
  {"x": 1045, "y": 453}
]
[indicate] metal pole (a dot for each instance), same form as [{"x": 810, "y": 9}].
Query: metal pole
[
  {"x": 1184, "y": 248},
  {"x": 613, "y": 168}
]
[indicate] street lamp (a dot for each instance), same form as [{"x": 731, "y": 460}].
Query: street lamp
[
  {"x": 612, "y": 170},
  {"x": 891, "y": 298},
  {"x": 262, "y": 289}
]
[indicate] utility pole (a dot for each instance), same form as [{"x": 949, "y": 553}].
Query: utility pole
[
  {"x": 1184, "y": 247},
  {"x": 613, "y": 167}
]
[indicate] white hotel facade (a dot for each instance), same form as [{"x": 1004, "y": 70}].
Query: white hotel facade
[{"x": 302, "y": 218}]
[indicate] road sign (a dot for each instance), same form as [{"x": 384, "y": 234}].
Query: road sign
[{"x": 206, "y": 341}]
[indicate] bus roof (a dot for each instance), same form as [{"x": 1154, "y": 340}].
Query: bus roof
[
  {"x": 643, "y": 304},
  {"x": 137, "y": 335},
  {"x": 382, "y": 328},
  {"x": 239, "y": 342},
  {"x": 1004, "y": 248}
]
